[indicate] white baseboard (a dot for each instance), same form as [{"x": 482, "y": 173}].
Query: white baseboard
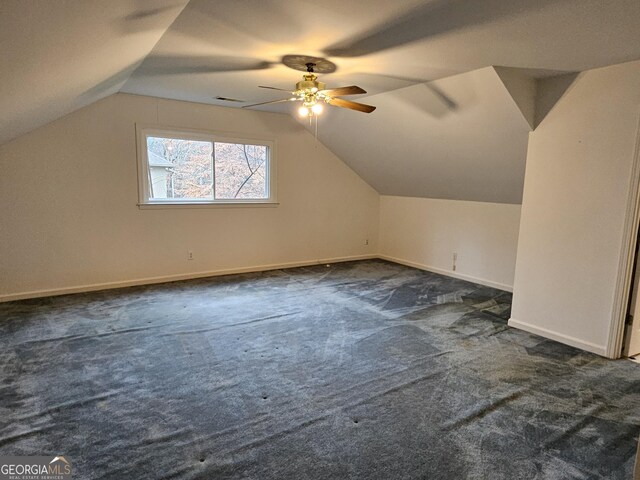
[
  {"x": 173, "y": 278},
  {"x": 449, "y": 273},
  {"x": 256, "y": 268},
  {"x": 559, "y": 337}
]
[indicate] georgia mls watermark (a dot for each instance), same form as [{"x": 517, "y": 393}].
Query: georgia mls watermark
[{"x": 35, "y": 468}]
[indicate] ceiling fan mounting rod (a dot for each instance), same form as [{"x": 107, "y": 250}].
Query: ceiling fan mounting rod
[{"x": 310, "y": 66}]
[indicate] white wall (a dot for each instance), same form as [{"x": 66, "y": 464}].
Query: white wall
[
  {"x": 425, "y": 232},
  {"x": 69, "y": 218},
  {"x": 577, "y": 187}
]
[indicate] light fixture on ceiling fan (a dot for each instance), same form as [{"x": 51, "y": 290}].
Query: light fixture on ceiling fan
[{"x": 313, "y": 94}]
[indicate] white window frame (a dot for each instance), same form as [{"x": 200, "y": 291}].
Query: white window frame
[{"x": 144, "y": 131}]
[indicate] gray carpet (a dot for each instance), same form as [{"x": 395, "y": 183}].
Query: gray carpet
[{"x": 366, "y": 370}]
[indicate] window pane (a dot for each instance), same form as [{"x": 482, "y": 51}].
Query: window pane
[
  {"x": 180, "y": 169},
  {"x": 241, "y": 171}
]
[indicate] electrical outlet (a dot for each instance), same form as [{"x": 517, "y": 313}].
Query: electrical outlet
[
  {"x": 190, "y": 255},
  {"x": 366, "y": 241}
]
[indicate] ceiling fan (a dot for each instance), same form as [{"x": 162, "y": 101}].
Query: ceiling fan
[{"x": 313, "y": 94}]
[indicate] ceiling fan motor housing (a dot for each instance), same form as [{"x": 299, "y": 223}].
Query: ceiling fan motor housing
[{"x": 310, "y": 84}]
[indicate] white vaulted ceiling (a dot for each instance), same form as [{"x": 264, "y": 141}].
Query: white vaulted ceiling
[
  {"x": 57, "y": 56},
  {"x": 452, "y": 138},
  {"x": 447, "y": 124}
]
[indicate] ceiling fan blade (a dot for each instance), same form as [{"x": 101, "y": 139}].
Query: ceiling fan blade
[
  {"x": 177, "y": 65},
  {"x": 339, "y": 92},
  {"x": 146, "y": 19},
  {"x": 148, "y": 13},
  {"x": 274, "y": 88},
  {"x": 408, "y": 81},
  {"x": 360, "y": 107},
  {"x": 428, "y": 20},
  {"x": 269, "y": 103}
]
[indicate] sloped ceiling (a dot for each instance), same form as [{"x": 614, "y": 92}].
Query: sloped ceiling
[
  {"x": 57, "y": 56},
  {"x": 227, "y": 48},
  {"x": 462, "y": 137},
  {"x": 442, "y": 113}
]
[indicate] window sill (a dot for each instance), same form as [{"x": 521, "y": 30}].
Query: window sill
[{"x": 162, "y": 206}]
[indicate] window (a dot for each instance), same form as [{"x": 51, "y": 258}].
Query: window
[{"x": 181, "y": 167}]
